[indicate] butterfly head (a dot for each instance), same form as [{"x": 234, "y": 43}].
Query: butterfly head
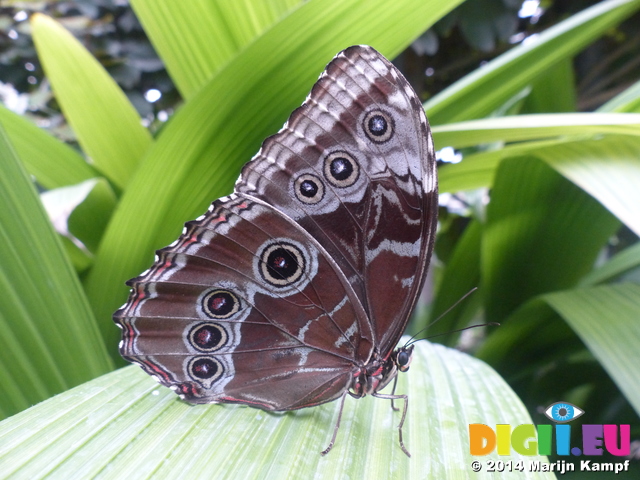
[{"x": 402, "y": 358}]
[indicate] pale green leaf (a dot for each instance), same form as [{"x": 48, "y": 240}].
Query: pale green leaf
[
  {"x": 487, "y": 88},
  {"x": 532, "y": 127},
  {"x": 123, "y": 425},
  {"x": 195, "y": 39},
  {"x": 49, "y": 340},
  {"x": 606, "y": 319},
  {"x": 52, "y": 163},
  {"x": 106, "y": 124}
]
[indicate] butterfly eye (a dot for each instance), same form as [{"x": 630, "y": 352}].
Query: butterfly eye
[
  {"x": 220, "y": 304},
  {"x": 403, "y": 358},
  {"x": 378, "y": 126},
  {"x": 281, "y": 264},
  {"x": 309, "y": 189},
  {"x": 208, "y": 337},
  {"x": 562, "y": 412},
  {"x": 341, "y": 169}
]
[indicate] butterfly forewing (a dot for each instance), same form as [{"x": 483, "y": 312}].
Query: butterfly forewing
[{"x": 368, "y": 195}]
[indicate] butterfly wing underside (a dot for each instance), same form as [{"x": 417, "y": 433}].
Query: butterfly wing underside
[
  {"x": 378, "y": 223},
  {"x": 312, "y": 266}
]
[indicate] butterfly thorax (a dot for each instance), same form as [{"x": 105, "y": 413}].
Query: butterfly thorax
[{"x": 377, "y": 374}]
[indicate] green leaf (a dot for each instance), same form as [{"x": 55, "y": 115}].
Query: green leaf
[
  {"x": 52, "y": 162},
  {"x": 487, "y": 88},
  {"x": 81, "y": 211},
  {"x": 542, "y": 234},
  {"x": 532, "y": 127},
  {"x": 194, "y": 40},
  {"x": 621, "y": 263},
  {"x": 554, "y": 90},
  {"x": 49, "y": 339},
  {"x": 626, "y": 102},
  {"x": 462, "y": 273},
  {"x": 123, "y": 425},
  {"x": 606, "y": 319},
  {"x": 607, "y": 168},
  {"x": 199, "y": 153},
  {"x": 106, "y": 124}
]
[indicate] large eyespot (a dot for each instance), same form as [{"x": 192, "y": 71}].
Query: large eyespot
[
  {"x": 220, "y": 304},
  {"x": 205, "y": 368},
  {"x": 208, "y": 337},
  {"x": 378, "y": 126},
  {"x": 308, "y": 188},
  {"x": 562, "y": 412},
  {"x": 281, "y": 264},
  {"x": 341, "y": 169}
]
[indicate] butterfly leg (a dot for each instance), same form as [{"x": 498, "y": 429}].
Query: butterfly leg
[
  {"x": 393, "y": 397},
  {"x": 393, "y": 391},
  {"x": 337, "y": 427}
]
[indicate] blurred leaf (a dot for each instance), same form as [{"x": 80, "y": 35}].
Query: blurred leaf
[
  {"x": 542, "y": 234},
  {"x": 617, "y": 265},
  {"x": 606, "y": 319},
  {"x": 53, "y": 163},
  {"x": 124, "y": 425},
  {"x": 199, "y": 153},
  {"x": 488, "y": 87},
  {"x": 49, "y": 339},
  {"x": 195, "y": 39},
  {"x": 81, "y": 211},
  {"x": 626, "y": 102},
  {"x": 106, "y": 124},
  {"x": 554, "y": 90}
]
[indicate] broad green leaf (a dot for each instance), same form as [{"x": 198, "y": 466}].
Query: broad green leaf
[
  {"x": 606, "y": 319},
  {"x": 49, "y": 340},
  {"x": 542, "y": 234},
  {"x": 607, "y": 168},
  {"x": 553, "y": 91},
  {"x": 123, "y": 425},
  {"x": 628, "y": 259},
  {"x": 52, "y": 163},
  {"x": 478, "y": 169},
  {"x": 487, "y": 88},
  {"x": 462, "y": 273},
  {"x": 532, "y": 127},
  {"x": 106, "y": 124},
  {"x": 199, "y": 153},
  {"x": 195, "y": 39}
]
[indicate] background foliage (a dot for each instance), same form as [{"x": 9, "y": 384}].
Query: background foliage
[{"x": 126, "y": 122}]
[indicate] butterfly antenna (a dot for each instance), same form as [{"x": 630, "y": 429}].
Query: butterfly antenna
[{"x": 413, "y": 339}]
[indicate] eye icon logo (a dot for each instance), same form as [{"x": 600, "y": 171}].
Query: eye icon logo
[{"x": 562, "y": 412}]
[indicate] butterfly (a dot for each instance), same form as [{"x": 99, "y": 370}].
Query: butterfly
[{"x": 294, "y": 290}]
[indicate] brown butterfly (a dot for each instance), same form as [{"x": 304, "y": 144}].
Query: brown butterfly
[{"x": 294, "y": 290}]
